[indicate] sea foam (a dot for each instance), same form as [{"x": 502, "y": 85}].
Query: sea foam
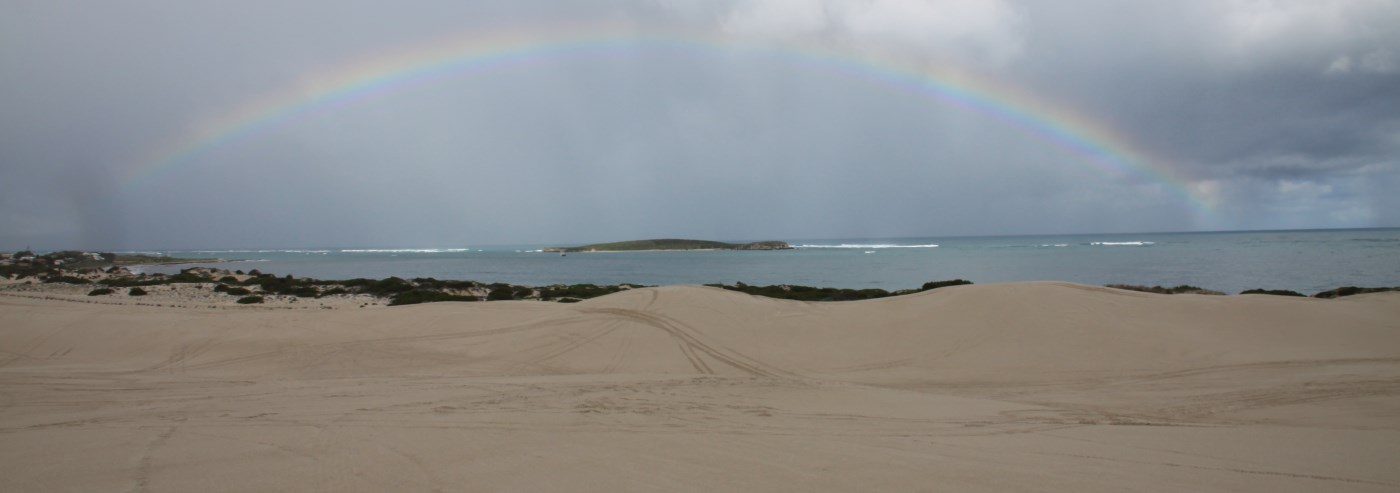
[
  {"x": 865, "y": 246},
  {"x": 1123, "y": 243},
  {"x": 407, "y": 250}
]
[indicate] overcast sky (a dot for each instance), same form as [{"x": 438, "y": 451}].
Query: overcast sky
[{"x": 1274, "y": 114}]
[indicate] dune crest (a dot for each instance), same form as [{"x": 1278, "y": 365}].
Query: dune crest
[{"x": 1046, "y": 386}]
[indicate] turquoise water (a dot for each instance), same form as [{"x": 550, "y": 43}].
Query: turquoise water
[{"x": 1305, "y": 261}]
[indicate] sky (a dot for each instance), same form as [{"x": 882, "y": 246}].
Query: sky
[{"x": 423, "y": 123}]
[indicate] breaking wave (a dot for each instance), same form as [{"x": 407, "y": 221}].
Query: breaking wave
[
  {"x": 406, "y": 250},
  {"x": 865, "y": 246}
]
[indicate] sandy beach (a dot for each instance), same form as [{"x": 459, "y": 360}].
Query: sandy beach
[{"x": 1003, "y": 387}]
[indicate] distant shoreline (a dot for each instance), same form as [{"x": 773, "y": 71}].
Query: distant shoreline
[
  {"x": 139, "y": 260},
  {"x": 184, "y": 261}
]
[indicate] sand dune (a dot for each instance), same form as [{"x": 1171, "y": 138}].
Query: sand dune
[{"x": 1023, "y": 386}]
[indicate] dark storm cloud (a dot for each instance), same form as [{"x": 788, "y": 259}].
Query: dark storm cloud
[
  {"x": 1281, "y": 114},
  {"x": 1266, "y": 89}
]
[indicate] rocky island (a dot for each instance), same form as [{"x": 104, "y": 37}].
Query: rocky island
[{"x": 672, "y": 244}]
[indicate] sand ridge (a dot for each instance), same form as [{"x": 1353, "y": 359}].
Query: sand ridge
[{"x": 1020, "y": 386}]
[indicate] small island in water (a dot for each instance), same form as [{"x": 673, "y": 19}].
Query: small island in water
[{"x": 672, "y": 244}]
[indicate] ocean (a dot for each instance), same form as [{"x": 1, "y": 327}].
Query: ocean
[{"x": 1307, "y": 261}]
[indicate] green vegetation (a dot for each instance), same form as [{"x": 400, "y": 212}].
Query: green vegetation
[
  {"x": 382, "y": 288},
  {"x": 290, "y": 286},
  {"x": 673, "y": 244},
  {"x": 185, "y": 277},
  {"x": 943, "y": 284},
  {"x": 426, "y": 296},
  {"x": 143, "y": 259},
  {"x": 1182, "y": 289},
  {"x": 124, "y": 282},
  {"x": 21, "y": 271},
  {"x": 500, "y": 294},
  {"x": 578, "y": 291},
  {"x": 430, "y": 283},
  {"x": 805, "y": 293},
  {"x": 100, "y": 291},
  {"x": 136, "y": 292},
  {"x": 1275, "y": 292},
  {"x": 248, "y": 300},
  {"x": 809, "y": 293},
  {"x": 1351, "y": 291},
  {"x": 66, "y": 279}
]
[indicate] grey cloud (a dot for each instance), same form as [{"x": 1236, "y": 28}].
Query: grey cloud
[
  {"x": 973, "y": 31},
  {"x": 1289, "y": 111}
]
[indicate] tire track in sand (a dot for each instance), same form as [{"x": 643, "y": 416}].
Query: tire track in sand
[
  {"x": 281, "y": 351},
  {"x": 580, "y": 342},
  {"x": 146, "y": 462},
  {"x": 693, "y": 346}
]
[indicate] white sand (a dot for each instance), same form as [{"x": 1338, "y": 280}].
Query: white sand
[{"x": 1011, "y": 387}]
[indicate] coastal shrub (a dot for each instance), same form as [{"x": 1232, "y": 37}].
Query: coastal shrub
[
  {"x": 1351, "y": 291},
  {"x": 579, "y": 291},
  {"x": 66, "y": 280},
  {"x": 943, "y": 284},
  {"x": 199, "y": 272},
  {"x": 21, "y": 271},
  {"x": 228, "y": 280},
  {"x": 460, "y": 284},
  {"x": 426, "y": 296},
  {"x": 859, "y": 294},
  {"x": 500, "y": 294},
  {"x": 389, "y": 286},
  {"x": 1187, "y": 289},
  {"x": 431, "y": 283},
  {"x": 136, "y": 292},
  {"x": 1182, "y": 289},
  {"x": 100, "y": 291},
  {"x": 186, "y": 278},
  {"x": 1275, "y": 292},
  {"x": 248, "y": 300},
  {"x": 238, "y": 291},
  {"x": 381, "y": 287},
  {"x": 522, "y": 292},
  {"x": 302, "y": 292},
  {"x": 222, "y": 288},
  {"x": 807, "y": 293},
  {"x": 334, "y": 291},
  {"x": 569, "y": 300},
  {"x": 301, "y": 288},
  {"x": 127, "y": 282}
]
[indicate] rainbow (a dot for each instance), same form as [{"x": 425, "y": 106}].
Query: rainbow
[{"x": 476, "y": 53}]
